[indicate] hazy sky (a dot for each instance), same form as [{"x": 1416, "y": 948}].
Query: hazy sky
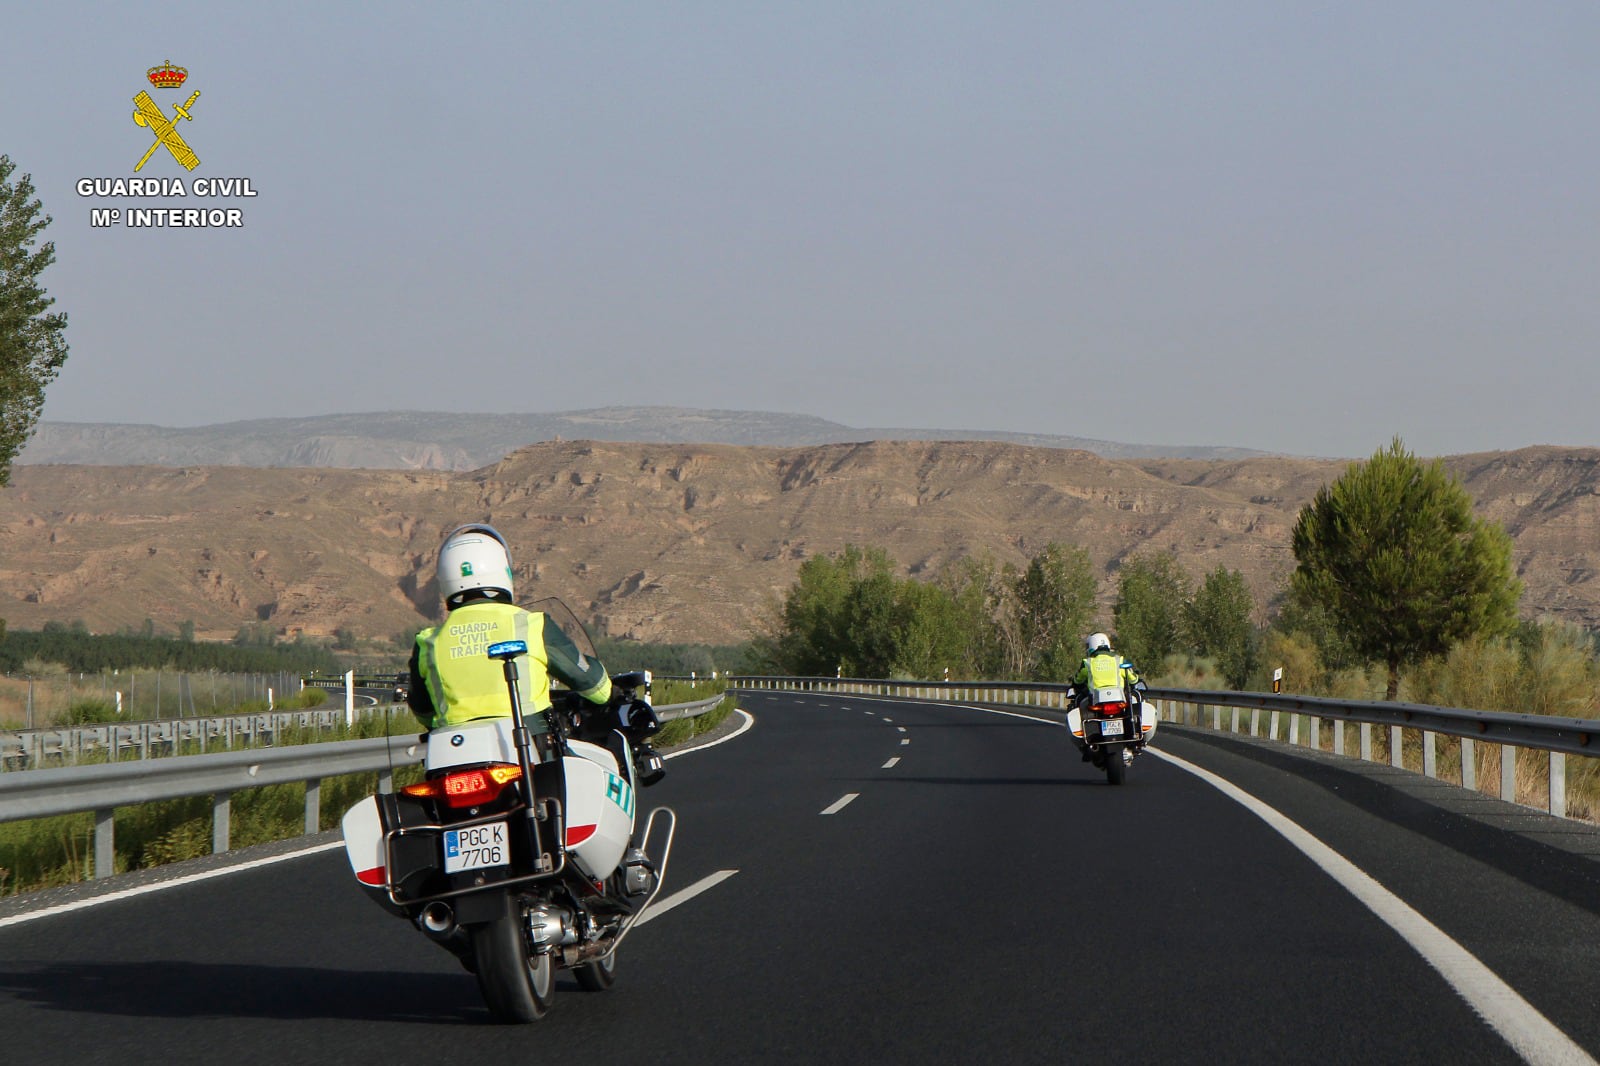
[{"x": 1290, "y": 226}]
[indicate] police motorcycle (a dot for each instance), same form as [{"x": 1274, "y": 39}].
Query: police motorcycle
[
  {"x": 517, "y": 851},
  {"x": 1111, "y": 725}
]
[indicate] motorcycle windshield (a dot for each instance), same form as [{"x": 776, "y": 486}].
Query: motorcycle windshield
[{"x": 563, "y": 616}]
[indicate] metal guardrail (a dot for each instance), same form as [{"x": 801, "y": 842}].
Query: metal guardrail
[
  {"x": 1559, "y": 737},
  {"x": 104, "y": 787},
  {"x": 35, "y": 748}
]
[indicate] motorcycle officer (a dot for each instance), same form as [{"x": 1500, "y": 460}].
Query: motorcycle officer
[
  {"x": 1103, "y": 668},
  {"x": 453, "y": 680}
]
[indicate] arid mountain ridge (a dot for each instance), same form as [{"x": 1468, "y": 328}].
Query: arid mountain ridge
[
  {"x": 691, "y": 542},
  {"x": 432, "y": 440}
]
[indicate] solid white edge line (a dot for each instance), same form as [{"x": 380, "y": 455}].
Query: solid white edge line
[
  {"x": 143, "y": 890},
  {"x": 890, "y": 764},
  {"x": 1530, "y": 1034},
  {"x": 841, "y": 803},
  {"x": 749, "y": 720},
  {"x": 684, "y": 895}
]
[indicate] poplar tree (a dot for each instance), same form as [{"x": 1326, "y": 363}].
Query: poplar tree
[
  {"x": 1218, "y": 623},
  {"x": 1152, "y": 590},
  {"x": 32, "y": 348},
  {"x": 1395, "y": 555},
  {"x": 1055, "y": 601}
]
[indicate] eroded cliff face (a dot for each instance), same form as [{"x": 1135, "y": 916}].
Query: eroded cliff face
[{"x": 690, "y": 543}]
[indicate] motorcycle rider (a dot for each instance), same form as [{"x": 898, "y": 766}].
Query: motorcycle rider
[
  {"x": 1103, "y": 668},
  {"x": 453, "y": 680}
]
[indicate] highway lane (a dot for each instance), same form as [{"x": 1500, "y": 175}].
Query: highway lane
[{"x": 984, "y": 895}]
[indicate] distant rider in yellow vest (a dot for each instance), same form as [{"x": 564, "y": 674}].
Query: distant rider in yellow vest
[
  {"x": 1103, "y": 668},
  {"x": 453, "y": 680}
]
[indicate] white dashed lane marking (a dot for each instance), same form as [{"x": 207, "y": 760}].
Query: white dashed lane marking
[{"x": 840, "y": 803}]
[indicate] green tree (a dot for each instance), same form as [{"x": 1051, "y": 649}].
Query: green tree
[
  {"x": 32, "y": 347},
  {"x": 1299, "y": 614},
  {"x": 1148, "y": 614},
  {"x": 1218, "y": 623},
  {"x": 1395, "y": 555},
  {"x": 1054, "y": 601},
  {"x": 980, "y": 591},
  {"x": 934, "y": 633},
  {"x": 814, "y": 636}
]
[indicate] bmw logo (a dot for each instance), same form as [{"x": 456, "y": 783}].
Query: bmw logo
[{"x": 457, "y": 740}]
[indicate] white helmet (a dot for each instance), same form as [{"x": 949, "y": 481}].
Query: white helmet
[
  {"x": 1097, "y": 642},
  {"x": 474, "y": 558}
]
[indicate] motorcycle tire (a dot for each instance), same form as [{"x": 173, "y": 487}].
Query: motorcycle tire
[
  {"x": 597, "y": 976},
  {"x": 1116, "y": 767},
  {"x": 517, "y": 986}
]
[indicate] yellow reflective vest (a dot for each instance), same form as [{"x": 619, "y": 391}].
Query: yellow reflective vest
[
  {"x": 463, "y": 683},
  {"x": 1104, "y": 669}
]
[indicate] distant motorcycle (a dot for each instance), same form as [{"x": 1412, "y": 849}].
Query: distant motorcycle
[
  {"x": 516, "y": 852},
  {"x": 1111, "y": 726}
]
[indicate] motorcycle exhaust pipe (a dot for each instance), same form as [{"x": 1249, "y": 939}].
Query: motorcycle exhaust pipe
[{"x": 438, "y": 920}]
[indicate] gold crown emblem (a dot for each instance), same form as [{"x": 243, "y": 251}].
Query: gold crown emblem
[{"x": 167, "y": 76}]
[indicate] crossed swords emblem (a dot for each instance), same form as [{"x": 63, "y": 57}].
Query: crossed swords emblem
[{"x": 149, "y": 114}]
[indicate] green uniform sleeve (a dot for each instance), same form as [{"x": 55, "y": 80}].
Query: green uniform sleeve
[
  {"x": 417, "y": 695},
  {"x": 583, "y": 675}
]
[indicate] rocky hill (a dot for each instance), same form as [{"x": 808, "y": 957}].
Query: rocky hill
[
  {"x": 689, "y": 542},
  {"x": 431, "y": 440}
]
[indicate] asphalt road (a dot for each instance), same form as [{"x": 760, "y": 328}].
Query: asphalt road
[{"x": 986, "y": 896}]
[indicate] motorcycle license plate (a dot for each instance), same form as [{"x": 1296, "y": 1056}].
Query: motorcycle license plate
[
  {"x": 475, "y": 848},
  {"x": 1114, "y": 727}
]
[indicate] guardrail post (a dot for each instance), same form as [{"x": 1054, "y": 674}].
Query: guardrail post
[
  {"x": 1508, "y": 773},
  {"x": 221, "y": 812},
  {"x": 385, "y": 781},
  {"x": 313, "y": 805},
  {"x": 1366, "y": 741},
  {"x": 1234, "y": 725},
  {"x": 1216, "y": 718},
  {"x": 1255, "y": 721},
  {"x": 1315, "y": 739},
  {"x": 105, "y": 861},
  {"x": 1294, "y": 730},
  {"x": 1396, "y": 753},
  {"x": 1558, "y": 784},
  {"x": 1338, "y": 736},
  {"x": 1469, "y": 764},
  {"x": 1430, "y": 765},
  {"x": 1272, "y": 727}
]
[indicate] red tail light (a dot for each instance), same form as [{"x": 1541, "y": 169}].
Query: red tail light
[
  {"x": 467, "y": 788},
  {"x": 1110, "y": 708}
]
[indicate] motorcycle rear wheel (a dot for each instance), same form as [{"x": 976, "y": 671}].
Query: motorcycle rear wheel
[
  {"x": 597, "y": 976},
  {"x": 517, "y": 986},
  {"x": 1116, "y": 766}
]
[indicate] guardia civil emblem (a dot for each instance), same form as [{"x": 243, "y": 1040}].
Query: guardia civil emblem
[{"x": 148, "y": 113}]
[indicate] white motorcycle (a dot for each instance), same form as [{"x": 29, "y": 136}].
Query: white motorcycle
[
  {"x": 516, "y": 852},
  {"x": 1111, "y": 727}
]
